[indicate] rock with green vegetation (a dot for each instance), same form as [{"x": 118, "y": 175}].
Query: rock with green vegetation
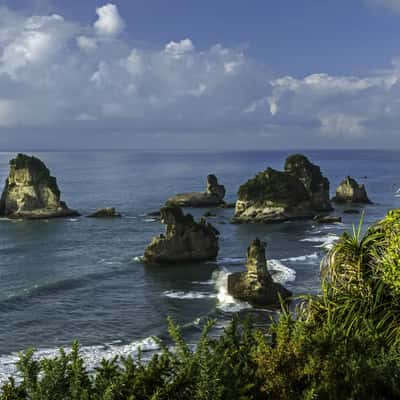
[
  {"x": 109, "y": 212},
  {"x": 350, "y": 191},
  {"x": 316, "y": 185},
  {"x": 213, "y": 196},
  {"x": 31, "y": 192},
  {"x": 275, "y": 196},
  {"x": 184, "y": 240},
  {"x": 256, "y": 286}
]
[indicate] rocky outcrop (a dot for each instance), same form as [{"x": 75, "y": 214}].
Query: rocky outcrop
[
  {"x": 31, "y": 192},
  {"x": 213, "y": 196},
  {"x": 109, "y": 212},
  {"x": 349, "y": 191},
  {"x": 256, "y": 285},
  {"x": 298, "y": 192},
  {"x": 327, "y": 219},
  {"x": 184, "y": 240}
]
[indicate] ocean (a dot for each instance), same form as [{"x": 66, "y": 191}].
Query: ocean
[{"x": 82, "y": 278}]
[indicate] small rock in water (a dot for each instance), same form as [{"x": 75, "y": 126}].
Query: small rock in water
[
  {"x": 109, "y": 212},
  {"x": 351, "y": 211},
  {"x": 327, "y": 219},
  {"x": 213, "y": 196},
  {"x": 349, "y": 191},
  {"x": 209, "y": 214},
  {"x": 256, "y": 285}
]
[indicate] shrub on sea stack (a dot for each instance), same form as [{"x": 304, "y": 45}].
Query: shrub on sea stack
[{"x": 31, "y": 192}]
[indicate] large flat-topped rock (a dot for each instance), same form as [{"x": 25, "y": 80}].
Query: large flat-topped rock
[
  {"x": 31, "y": 192},
  {"x": 298, "y": 192}
]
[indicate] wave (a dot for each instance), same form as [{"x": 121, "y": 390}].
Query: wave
[
  {"x": 92, "y": 355},
  {"x": 138, "y": 259},
  {"x": 309, "y": 258},
  {"x": 327, "y": 241},
  {"x": 192, "y": 295},
  {"x": 226, "y": 302},
  {"x": 231, "y": 260},
  {"x": 281, "y": 273}
]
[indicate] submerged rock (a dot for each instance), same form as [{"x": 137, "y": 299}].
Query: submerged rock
[
  {"x": 109, "y": 212},
  {"x": 351, "y": 211},
  {"x": 349, "y": 191},
  {"x": 274, "y": 196},
  {"x": 184, "y": 239},
  {"x": 213, "y": 196},
  {"x": 31, "y": 192},
  {"x": 327, "y": 219},
  {"x": 256, "y": 285}
]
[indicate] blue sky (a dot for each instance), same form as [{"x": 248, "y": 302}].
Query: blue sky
[{"x": 194, "y": 74}]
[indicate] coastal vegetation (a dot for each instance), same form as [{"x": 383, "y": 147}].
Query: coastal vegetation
[{"x": 340, "y": 344}]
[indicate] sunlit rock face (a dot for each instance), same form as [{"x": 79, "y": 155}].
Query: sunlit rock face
[
  {"x": 31, "y": 192},
  {"x": 184, "y": 240},
  {"x": 298, "y": 192},
  {"x": 256, "y": 285},
  {"x": 350, "y": 191},
  {"x": 212, "y": 196}
]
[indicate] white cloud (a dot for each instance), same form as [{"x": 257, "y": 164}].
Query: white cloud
[
  {"x": 109, "y": 22},
  {"x": 86, "y": 43},
  {"x": 178, "y": 49}
]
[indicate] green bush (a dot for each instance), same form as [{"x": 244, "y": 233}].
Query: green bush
[{"x": 342, "y": 344}]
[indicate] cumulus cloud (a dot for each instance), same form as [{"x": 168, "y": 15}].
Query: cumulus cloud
[
  {"x": 61, "y": 75},
  {"x": 109, "y": 22}
]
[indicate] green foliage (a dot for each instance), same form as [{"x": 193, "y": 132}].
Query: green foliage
[{"x": 342, "y": 344}]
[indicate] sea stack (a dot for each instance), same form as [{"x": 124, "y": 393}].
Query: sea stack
[
  {"x": 350, "y": 191},
  {"x": 256, "y": 285},
  {"x": 109, "y": 212},
  {"x": 31, "y": 192},
  {"x": 185, "y": 240},
  {"x": 298, "y": 192},
  {"x": 213, "y": 196}
]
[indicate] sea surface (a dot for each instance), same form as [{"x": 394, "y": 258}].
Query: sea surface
[{"x": 82, "y": 278}]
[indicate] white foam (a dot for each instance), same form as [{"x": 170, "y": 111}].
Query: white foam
[
  {"x": 209, "y": 282},
  {"x": 226, "y": 302},
  {"x": 92, "y": 355},
  {"x": 177, "y": 294},
  {"x": 281, "y": 273},
  {"x": 308, "y": 258},
  {"x": 327, "y": 241},
  {"x": 150, "y": 220},
  {"x": 138, "y": 259},
  {"x": 231, "y": 260}
]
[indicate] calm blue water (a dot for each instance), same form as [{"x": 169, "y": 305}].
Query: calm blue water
[{"x": 81, "y": 278}]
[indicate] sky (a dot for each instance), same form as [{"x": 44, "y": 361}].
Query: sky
[{"x": 204, "y": 74}]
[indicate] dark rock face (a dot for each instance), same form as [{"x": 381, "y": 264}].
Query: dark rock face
[
  {"x": 316, "y": 185},
  {"x": 349, "y": 191},
  {"x": 213, "y": 196},
  {"x": 109, "y": 212},
  {"x": 274, "y": 196},
  {"x": 31, "y": 192},
  {"x": 256, "y": 285},
  {"x": 184, "y": 239}
]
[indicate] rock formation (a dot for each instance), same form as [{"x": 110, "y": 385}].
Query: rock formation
[
  {"x": 349, "y": 191},
  {"x": 327, "y": 219},
  {"x": 31, "y": 192},
  {"x": 256, "y": 285},
  {"x": 109, "y": 212},
  {"x": 274, "y": 196},
  {"x": 213, "y": 196},
  {"x": 184, "y": 239}
]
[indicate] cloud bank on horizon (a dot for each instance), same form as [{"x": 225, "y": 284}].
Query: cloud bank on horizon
[{"x": 69, "y": 79}]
